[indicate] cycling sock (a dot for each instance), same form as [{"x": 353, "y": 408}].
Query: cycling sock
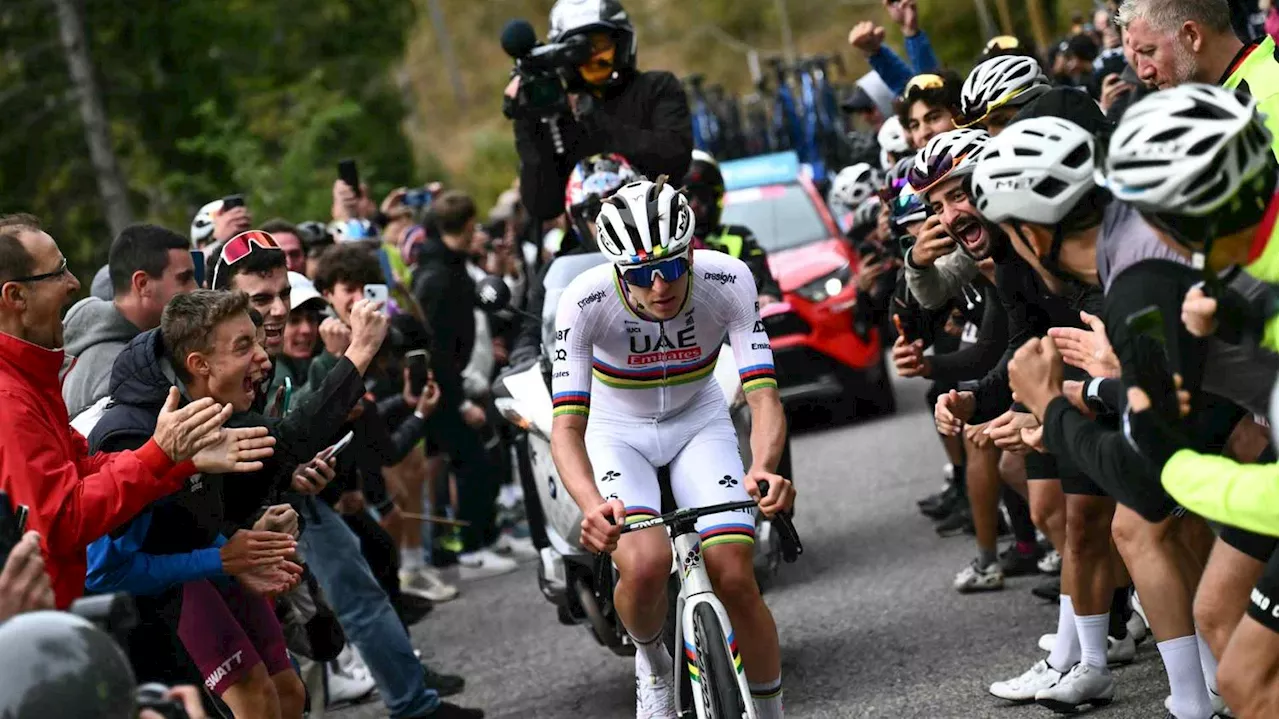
[
  {"x": 1120, "y": 613},
  {"x": 986, "y": 557},
  {"x": 1024, "y": 548},
  {"x": 767, "y": 698},
  {"x": 1189, "y": 698},
  {"x": 1019, "y": 516},
  {"x": 1066, "y": 648},
  {"x": 1092, "y": 629},
  {"x": 652, "y": 657},
  {"x": 1208, "y": 664}
]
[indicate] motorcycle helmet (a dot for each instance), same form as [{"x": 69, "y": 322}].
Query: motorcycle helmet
[
  {"x": 704, "y": 187},
  {"x": 590, "y": 182},
  {"x": 642, "y": 222},
  {"x": 56, "y": 664},
  {"x": 570, "y": 18}
]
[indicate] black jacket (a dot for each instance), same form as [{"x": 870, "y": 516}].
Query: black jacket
[
  {"x": 645, "y": 120},
  {"x": 191, "y": 518},
  {"x": 447, "y": 295}
]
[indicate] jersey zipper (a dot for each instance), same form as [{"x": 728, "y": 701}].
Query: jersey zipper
[{"x": 662, "y": 393}]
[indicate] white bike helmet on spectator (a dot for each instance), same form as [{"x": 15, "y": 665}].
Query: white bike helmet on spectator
[
  {"x": 1012, "y": 80},
  {"x": 1037, "y": 171},
  {"x": 352, "y": 230},
  {"x": 893, "y": 142},
  {"x": 644, "y": 221},
  {"x": 1187, "y": 150},
  {"x": 951, "y": 154},
  {"x": 202, "y": 224},
  {"x": 854, "y": 184}
]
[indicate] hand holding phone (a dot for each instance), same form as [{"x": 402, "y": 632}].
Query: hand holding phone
[
  {"x": 377, "y": 293},
  {"x": 336, "y": 448},
  {"x": 348, "y": 173}
]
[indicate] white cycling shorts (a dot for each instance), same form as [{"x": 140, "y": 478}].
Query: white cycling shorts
[{"x": 700, "y": 446}]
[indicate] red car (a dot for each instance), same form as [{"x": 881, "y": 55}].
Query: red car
[{"x": 815, "y": 349}]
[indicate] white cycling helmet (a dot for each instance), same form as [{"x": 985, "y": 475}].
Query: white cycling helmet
[
  {"x": 202, "y": 224},
  {"x": 352, "y": 230},
  {"x": 854, "y": 184},
  {"x": 867, "y": 214},
  {"x": 893, "y": 142},
  {"x": 951, "y": 154},
  {"x": 1187, "y": 150},
  {"x": 644, "y": 221},
  {"x": 1012, "y": 80},
  {"x": 1036, "y": 171}
]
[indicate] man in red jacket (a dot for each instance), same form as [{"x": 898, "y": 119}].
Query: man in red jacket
[{"x": 44, "y": 463}]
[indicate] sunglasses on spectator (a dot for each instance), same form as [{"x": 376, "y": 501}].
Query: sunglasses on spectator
[
  {"x": 62, "y": 270},
  {"x": 241, "y": 246},
  {"x": 920, "y": 83},
  {"x": 1002, "y": 42},
  {"x": 670, "y": 270}
]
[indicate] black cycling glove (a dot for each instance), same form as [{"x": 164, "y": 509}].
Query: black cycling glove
[{"x": 1151, "y": 436}]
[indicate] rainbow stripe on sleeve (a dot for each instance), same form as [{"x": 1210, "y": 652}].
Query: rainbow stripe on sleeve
[
  {"x": 570, "y": 403},
  {"x": 757, "y": 377}
]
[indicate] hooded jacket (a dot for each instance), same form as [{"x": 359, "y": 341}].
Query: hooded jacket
[
  {"x": 95, "y": 333},
  {"x": 447, "y": 295},
  {"x": 192, "y": 521}
]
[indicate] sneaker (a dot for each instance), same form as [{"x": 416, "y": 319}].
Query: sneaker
[
  {"x": 450, "y": 540},
  {"x": 518, "y": 549},
  {"x": 1049, "y": 590},
  {"x": 951, "y": 499},
  {"x": 1050, "y": 563},
  {"x": 484, "y": 563},
  {"x": 1016, "y": 564},
  {"x": 427, "y": 583},
  {"x": 1082, "y": 685},
  {"x": 976, "y": 578},
  {"x": 961, "y": 520},
  {"x": 1119, "y": 651},
  {"x": 446, "y": 685},
  {"x": 655, "y": 698},
  {"x": 344, "y": 687},
  {"x": 452, "y": 711},
  {"x": 1024, "y": 687}
]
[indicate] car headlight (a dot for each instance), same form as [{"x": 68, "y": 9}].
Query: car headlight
[{"x": 826, "y": 286}]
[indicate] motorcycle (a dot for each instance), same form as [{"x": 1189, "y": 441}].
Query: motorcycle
[{"x": 569, "y": 575}]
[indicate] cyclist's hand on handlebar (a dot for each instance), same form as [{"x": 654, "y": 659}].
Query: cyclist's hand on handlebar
[
  {"x": 602, "y": 525},
  {"x": 781, "y": 494}
]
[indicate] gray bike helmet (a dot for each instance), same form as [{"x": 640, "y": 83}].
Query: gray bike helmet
[{"x": 55, "y": 664}]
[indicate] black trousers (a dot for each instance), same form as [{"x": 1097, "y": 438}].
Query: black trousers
[{"x": 478, "y": 481}]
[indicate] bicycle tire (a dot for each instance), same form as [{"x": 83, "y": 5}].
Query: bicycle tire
[{"x": 717, "y": 673}]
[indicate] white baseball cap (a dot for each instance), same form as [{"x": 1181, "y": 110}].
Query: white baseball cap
[{"x": 302, "y": 291}]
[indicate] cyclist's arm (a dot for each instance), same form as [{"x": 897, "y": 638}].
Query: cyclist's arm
[
  {"x": 1220, "y": 489},
  {"x": 571, "y": 397},
  {"x": 754, "y": 357}
]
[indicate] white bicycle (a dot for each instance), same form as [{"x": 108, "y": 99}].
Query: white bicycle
[{"x": 714, "y": 677}]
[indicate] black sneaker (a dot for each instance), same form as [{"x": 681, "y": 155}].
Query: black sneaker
[
  {"x": 958, "y": 521},
  {"x": 952, "y": 499},
  {"x": 412, "y": 609},
  {"x": 452, "y": 711},
  {"x": 1049, "y": 590},
  {"x": 446, "y": 685},
  {"x": 1016, "y": 564},
  {"x": 932, "y": 501}
]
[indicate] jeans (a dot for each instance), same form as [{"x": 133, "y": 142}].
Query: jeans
[{"x": 333, "y": 552}]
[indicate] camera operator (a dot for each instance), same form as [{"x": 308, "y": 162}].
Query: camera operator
[{"x": 612, "y": 106}]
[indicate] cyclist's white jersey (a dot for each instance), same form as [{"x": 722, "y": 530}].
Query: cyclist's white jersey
[{"x": 610, "y": 358}]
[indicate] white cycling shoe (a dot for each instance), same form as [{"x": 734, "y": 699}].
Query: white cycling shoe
[
  {"x": 655, "y": 697},
  {"x": 1082, "y": 685},
  {"x": 1119, "y": 651},
  {"x": 1024, "y": 687}
]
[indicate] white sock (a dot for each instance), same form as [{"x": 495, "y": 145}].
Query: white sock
[
  {"x": 411, "y": 557},
  {"x": 1190, "y": 699},
  {"x": 652, "y": 657},
  {"x": 1092, "y": 629},
  {"x": 1066, "y": 648},
  {"x": 767, "y": 698},
  {"x": 1208, "y": 664}
]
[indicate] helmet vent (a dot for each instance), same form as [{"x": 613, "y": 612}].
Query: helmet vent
[
  {"x": 1204, "y": 145},
  {"x": 1078, "y": 156},
  {"x": 1050, "y": 187},
  {"x": 1169, "y": 135}
]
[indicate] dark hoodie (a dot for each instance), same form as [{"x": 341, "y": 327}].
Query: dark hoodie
[
  {"x": 95, "y": 332},
  {"x": 447, "y": 295},
  {"x": 192, "y": 518}
]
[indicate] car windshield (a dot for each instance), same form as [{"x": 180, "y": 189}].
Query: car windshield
[{"x": 780, "y": 216}]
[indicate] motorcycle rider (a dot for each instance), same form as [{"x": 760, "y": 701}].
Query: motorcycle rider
[
  {"x": 644, "y": 116},
  {"x": 704, "y": 191},
  {"x": 641, "y": 337}
]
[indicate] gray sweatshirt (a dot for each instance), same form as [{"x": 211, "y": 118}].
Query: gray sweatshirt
[
  {"x": 94, "y": 332},
  {"x": 934, "y": 285}
]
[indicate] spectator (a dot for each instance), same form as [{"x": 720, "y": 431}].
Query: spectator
[
  {"x": 44, "y": 463},
  {"x": 24, "y": 584},
  {"x": 148, "y": 266},
  {"x": 315, "y": 239},
  {"x": 290, "y": 240},
  {"x": 930, "y": 105},
  {"x": 213, "y": 226},
  {"x": 301, "y": 333},
  {"x": 443, "y": 289},
  {"x": 260, "y": 274}
]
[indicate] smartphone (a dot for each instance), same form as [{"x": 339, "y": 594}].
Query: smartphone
[
  {"x": 348, "y": 173},
  {"x": 336, "y": 448},
  {"x": 419, "y": 364},
  {"x": 198, "y": 261},
  {"x": 232, "y": 201},
  {"x": 288, "y": 396},
  {"x": 377, "y": 293}
]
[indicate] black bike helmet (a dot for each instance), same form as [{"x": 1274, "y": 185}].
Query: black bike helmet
[
  {"x": 55, "y": 664},
  {"x": 705, "y": 183},
  {"x": 579, "y": 17}
]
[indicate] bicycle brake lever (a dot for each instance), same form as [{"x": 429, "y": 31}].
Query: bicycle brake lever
[{"x": 791, "y": 546}]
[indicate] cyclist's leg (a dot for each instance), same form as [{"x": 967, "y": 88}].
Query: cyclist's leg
[
  {"x": 1248, "y": 672},
  {"x": 708, "y": 470},
  {"x": 1236, "y": 562}
]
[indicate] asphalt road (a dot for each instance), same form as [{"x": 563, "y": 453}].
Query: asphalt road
[{"x": 869, "y": 624}]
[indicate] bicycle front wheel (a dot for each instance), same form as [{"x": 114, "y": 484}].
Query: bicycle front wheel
[{"x": 716, "y": 673}]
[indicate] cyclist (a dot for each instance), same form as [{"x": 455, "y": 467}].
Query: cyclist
[
  {"x": 636, "y": 343},
  {"x": 997, "y": 88},
  {"x": 704, "y": 191}
]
